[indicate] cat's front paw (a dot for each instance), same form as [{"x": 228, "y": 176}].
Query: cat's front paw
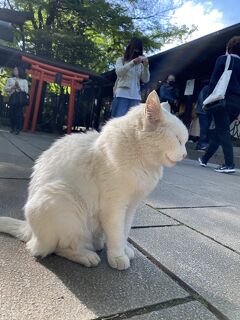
[
  {"x": 129, "y": 252},
  {"x": 90, "y": 259},
  {"x": 119, "y": 262}
]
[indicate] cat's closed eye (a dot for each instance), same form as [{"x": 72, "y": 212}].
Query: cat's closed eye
[{"x": 179, "y": 140}]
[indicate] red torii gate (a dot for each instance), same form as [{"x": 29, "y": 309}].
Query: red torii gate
[{"x": 44, "y": 72}]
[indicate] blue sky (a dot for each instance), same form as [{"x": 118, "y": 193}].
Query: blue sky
[
  {"x": 207, "y": 15},
  {"x": 230, "y": 10}
]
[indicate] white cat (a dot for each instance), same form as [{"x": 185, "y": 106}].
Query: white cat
[{"x": 85, "y": 187}]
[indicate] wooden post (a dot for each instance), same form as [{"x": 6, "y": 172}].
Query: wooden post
[
  {"x": 71, "y": 107},
  {"x": 39, "y": 92},
  {"x": 29, "y": 107}
]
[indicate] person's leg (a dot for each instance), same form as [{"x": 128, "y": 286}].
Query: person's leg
[
  {"x": 212, "y": 148},
  {"x": 12, "y": 118},
  {"x": 209, "y": 121},
  {"x": 222, "y": 124},
  {"x": 174, "y": 108},
  {"x": 225, "y": 140},
  {"x": 19, "y": 117},
  {"x": 222, "y": 136},
  {"x": 187, "y": 116},
  {"x": 203, "y": 122},
  {"x": 120, "y": 107}
]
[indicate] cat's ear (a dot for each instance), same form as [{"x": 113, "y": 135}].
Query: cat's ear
[{"x": 153, "y": 109}]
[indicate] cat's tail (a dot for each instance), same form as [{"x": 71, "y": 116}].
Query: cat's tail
[{"x": 16, "y": 228}]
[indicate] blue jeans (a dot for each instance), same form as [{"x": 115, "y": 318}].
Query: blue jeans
[
  {"x": 120, "y": 106},
  {"x": 204, "y": 122}
]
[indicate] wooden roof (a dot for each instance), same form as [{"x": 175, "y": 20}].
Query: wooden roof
[{"x": 11, "y": 57}]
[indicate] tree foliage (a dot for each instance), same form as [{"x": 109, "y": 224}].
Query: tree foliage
[{"x": 92, "y": 33}]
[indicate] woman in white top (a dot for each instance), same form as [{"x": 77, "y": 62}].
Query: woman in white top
[
  {"x": 130, "y": 70},
  {"x": 16, "y": 83}
]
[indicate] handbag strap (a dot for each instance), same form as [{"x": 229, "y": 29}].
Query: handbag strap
[{"x": 227, "y": 64}]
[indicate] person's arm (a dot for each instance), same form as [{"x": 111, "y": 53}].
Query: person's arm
[
  {"x": 164, "y": 95},
  {"x": 121, "y": 69},
  {"x": 217, "y": 72},
  {"x": 25, "y": 86},
  {"x": 145, "y": 74},
  {"x": 9, "y": 87}
]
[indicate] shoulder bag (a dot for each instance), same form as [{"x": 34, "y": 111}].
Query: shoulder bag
[{"x": 216, "y": 100}]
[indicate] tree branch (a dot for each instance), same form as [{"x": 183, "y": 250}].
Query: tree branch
[
  {"x": 10, "y": 6},
  {"x": 40, "y": 17},
  {"x": 30, "y": 8}
]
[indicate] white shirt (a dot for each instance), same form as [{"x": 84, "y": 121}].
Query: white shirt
[
  {"x": 133, "y": 92},
  {"x": 23, "y": 85}
]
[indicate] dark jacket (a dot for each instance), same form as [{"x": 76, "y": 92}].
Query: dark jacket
[
  {"x": 234, "y": 83},
  {"x": 168, "y": 93}
]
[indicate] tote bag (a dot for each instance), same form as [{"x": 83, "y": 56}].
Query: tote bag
[{"x": 216, "y": 99}]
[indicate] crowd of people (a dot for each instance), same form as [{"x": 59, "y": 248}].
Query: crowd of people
[{"x": 133, "y": 68}]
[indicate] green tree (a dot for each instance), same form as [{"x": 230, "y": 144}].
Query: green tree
[{"x": 91, "y": 33}]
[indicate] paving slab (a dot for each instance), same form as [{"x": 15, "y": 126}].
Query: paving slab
[
  {"x": 192, "y": 169},
  {"x": 31, "y": 150},
  {"x": 13, "y": 163},
  {"x": 10, "y": 170},
  {"x": 221, "y": 224},
  {"x": 168, "y": 195},
  {"x": 146, "y": 216},
  {"x": 55, "y": 288},
  {"x": 211, "y": 186},
  {"x": 187, "y": 311},
  {"x": 39, "y": 140},
  {"x": 30, "y": 144},
  {"x": 13, "y": 195},
  {"x": 209, "y": 268}
]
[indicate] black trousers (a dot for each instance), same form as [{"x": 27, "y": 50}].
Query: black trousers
[
  {"x": 16, "y": 117},
  {"x": 204, "y": 122},
  {"x": 223, "y": 118}
]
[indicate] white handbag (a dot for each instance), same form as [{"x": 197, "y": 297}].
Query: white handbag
[{"x": 220, "y": 89}]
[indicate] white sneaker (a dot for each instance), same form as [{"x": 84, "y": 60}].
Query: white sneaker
[{"x": 202, "y": 164}]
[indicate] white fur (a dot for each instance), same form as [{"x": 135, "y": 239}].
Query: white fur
[{"x": 85, "y": 187}]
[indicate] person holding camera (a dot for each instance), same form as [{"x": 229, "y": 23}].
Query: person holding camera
[
  {"x": 131, "y": 69},
  {"x": 17, "y": 88}
]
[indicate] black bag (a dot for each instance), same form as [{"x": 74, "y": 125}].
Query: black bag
[
  {"x": 18, "y": 98},
  {"x": 215, "y": 106}
]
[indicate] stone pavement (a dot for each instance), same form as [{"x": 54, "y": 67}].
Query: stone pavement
[{"x": 187, "y": 242}]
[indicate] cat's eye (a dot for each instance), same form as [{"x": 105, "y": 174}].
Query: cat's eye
[{"x": 179, "y": 141}]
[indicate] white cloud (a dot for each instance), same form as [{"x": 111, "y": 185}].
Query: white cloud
[{"x": 201, "y": 14}]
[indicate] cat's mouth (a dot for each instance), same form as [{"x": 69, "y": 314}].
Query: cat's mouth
[{"x": 172, "y": 162}]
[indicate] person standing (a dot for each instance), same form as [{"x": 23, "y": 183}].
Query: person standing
[
  {"x": 131, "y": 69},
  {"x": 205, "y": 119},
  {"x": 225, "y": 116},
  {"x": 169, "y": 93},
  {"x": 16, "y": 84},
  {"x": 1, "y": 101}
]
